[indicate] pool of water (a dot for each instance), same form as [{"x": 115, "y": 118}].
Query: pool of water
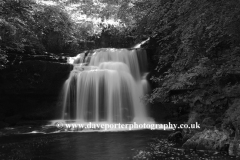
[{"x": 128, "y": 145}]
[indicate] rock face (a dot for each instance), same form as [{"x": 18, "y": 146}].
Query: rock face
[
  {"x": 234, "y": 148},
  {"x": 31, "y": 90},
  {"x": 175, "y": 137},
  {"x": 207, "y": 140},
  {"x": 178, "y": 113},
  {"x": 208, "y": 121}
]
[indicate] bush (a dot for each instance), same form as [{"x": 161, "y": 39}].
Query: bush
[{"x": 32, "y": 28}]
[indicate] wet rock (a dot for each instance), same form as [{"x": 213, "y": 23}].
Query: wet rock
[
  {"x": 206, "y": 144},
  {"x": 48, "y": 57},
  {"x": 208, "y": 121},
  {"x": 207, "y": 140},
  {"x": 192, "y": 142},
  {"x": 175, "y": 137},
  {"x": 194, "y": 117},
  {"x": 186, "y": 137},
  {"x": 232, "y": 78},
  {"x": 218, "y": 126},
  {"x": 173, "y": 112},
  {"x": 198, "y": 106},
  {"x": 229, "y": 128},
  {"x": 32, "y": 87},
  {"x": 225, "y": 148},
  {"x": 234, "y": 148},
  {"x": 34, "y": 77}
]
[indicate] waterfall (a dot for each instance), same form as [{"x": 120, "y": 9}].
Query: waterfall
[{"x": 106, "y": 85}]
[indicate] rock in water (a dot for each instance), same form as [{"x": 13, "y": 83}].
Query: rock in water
[
  {"x": 175, "y": 137},
  {"x": 186, "y": 137},
  {"x": 207, "y": 140},
  {"x": 208, "y": 121},
  {"x": 234, "y": 148}
]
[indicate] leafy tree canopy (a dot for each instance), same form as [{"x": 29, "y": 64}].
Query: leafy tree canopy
[{"x": 36, "y": 26}]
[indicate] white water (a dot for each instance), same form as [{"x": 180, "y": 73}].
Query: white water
[
  {"x": 143, "y": 42},
  {"x": 107, "y": 86}
]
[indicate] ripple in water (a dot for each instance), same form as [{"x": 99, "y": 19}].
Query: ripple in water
[{"x": 134, "y": 145}]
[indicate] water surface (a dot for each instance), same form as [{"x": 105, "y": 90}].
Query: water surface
[{"x": 145, "y": 144}]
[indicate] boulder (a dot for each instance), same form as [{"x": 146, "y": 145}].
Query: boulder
[
  {"x": 192, "y": 142},
  {"x": 234, "y": 148},
  {"x": 207, "y": 140},
  {"x": 175, "y": 137},
  {"x": 208, "y": 121},
  {"x": 186, "y": 137}
]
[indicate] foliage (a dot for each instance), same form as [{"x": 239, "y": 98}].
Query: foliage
[
  {"x": 28, "y": 27},
  {"x": 200, "y": 36},
  {"x": 181, "y": 80},
  {"x": 198, "y": 55},
  {"x": 54, "y": 25},
  {"x": 33, "y": 27},
  {"x": 15, "y": 23}
]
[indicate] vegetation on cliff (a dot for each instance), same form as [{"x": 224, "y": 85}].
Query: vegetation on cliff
[{"x": 196, "y": 46}]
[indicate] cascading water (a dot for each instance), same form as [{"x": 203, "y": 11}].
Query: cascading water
[{"x": 107, "y": 86}]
